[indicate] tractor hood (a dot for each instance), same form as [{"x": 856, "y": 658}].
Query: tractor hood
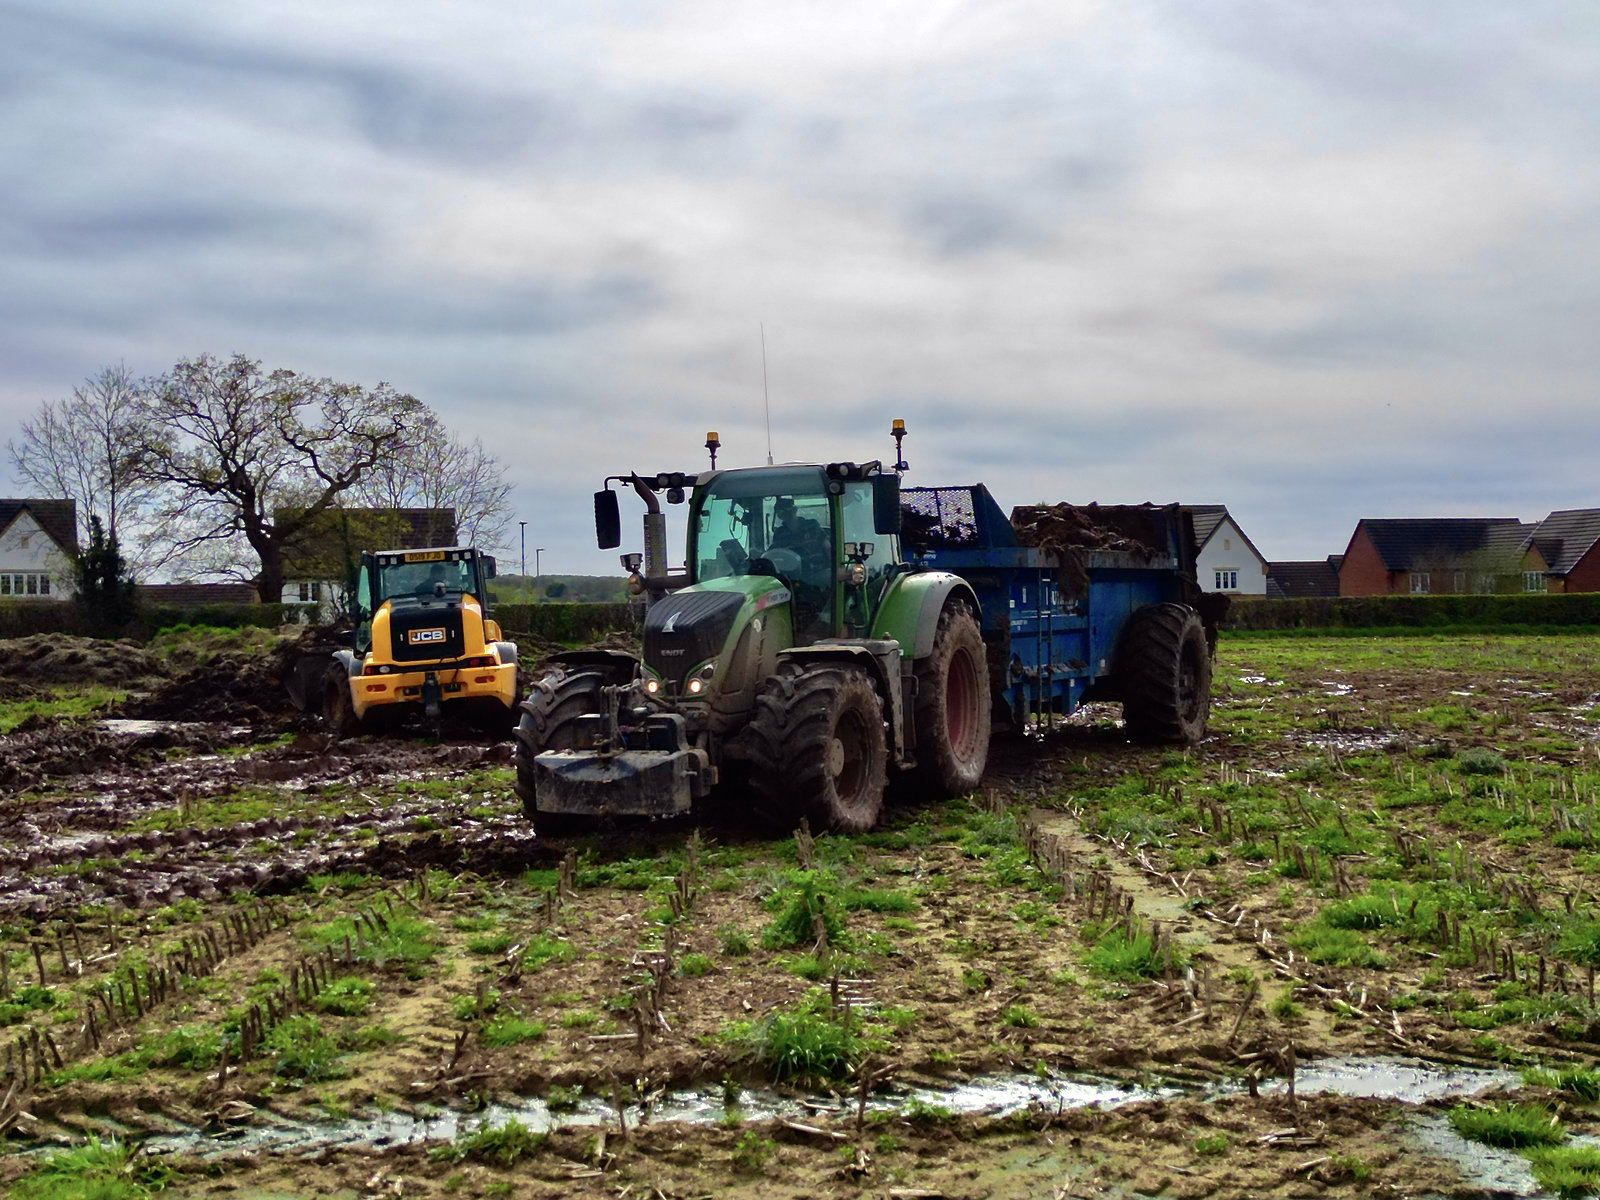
[{"x": 684, "y": 629}]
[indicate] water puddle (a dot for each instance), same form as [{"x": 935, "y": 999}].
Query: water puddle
[
  {"x": 988, "y": 1095},
  {"x": 136, "y": 727},
  {"x": 1497, "y": 1172},
  {"x": 1409, "y": 1080},
  {"x": 1334, "y": 688}
]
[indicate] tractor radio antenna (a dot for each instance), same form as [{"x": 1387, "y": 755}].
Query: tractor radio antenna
[{"x": 766, "y": 400}]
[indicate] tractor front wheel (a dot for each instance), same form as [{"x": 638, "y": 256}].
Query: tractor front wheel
[
  {"x": 547, "y": 723},
  {"x": 1165, "y": 669},
  {"x": 816, "y": 748},
  {"x": 953, "y": 713}
]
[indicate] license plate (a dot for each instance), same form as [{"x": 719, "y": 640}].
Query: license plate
[
  {"x": 423, "y": 637},
  {"x": 423, "y": 556}
]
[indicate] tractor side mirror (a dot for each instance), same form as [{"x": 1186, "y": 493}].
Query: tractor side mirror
[
  {"x": 607, "y": 520},
  {"x": 489, "y": 570},
  {"x": 886, "y": 504}
]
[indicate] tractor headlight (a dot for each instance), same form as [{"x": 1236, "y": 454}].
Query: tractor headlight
[
  {"x": 652, "y": 687},
  {"x": 701, "y": 679}
]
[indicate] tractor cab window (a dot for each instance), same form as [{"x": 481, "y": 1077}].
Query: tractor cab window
[
  {"x": 877, "y": 552},
  {"x": 423, "y": 580},
  {"x": 768, "y": 524}
]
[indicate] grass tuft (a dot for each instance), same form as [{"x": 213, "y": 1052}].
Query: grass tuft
[{"x": 1512, "y": 1126}]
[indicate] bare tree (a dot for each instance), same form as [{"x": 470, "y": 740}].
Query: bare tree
[
  {"x": 241, "y": 454},
  {"x": 79, "y": 448},
  {"x": 434, "y": 469}
]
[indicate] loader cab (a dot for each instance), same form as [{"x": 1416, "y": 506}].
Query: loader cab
[
  {"x": 814, "y": 528},
  {"x": 431, "y": 580}
]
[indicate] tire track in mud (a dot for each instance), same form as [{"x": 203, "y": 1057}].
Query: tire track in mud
[
  {"x": 1159, "y": 900},
  {"x": 71, "y": 848}
]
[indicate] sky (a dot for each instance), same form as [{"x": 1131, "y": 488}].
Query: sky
[{"x": 1313, "y": 261}]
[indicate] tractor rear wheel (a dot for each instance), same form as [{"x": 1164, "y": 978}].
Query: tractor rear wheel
[
  {"x": 953, "y": 714},
  {"x": 816, "y": 748},
  {"x": 338, "y": 711},
  {"x": 1165, "y": 669},
  {"x": 547, "y": 723}
]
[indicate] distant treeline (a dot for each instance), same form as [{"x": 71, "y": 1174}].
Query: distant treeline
[
  {"x": 568, "y": 623},
  {"x": 1531, "y": 610},
  {"x": 560, "y": 589}
]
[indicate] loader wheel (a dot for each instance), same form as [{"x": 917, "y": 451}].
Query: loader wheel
[
  {"x": 953, "y": 714},
  {"x": 816, "y": 748},
  {"x": 553, "y": 703},
  {"x": 338, "y": 713},
  {"x": 1165, "y": 670}
]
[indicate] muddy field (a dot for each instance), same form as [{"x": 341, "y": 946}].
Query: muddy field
[{"x": 1355, "y": 924}]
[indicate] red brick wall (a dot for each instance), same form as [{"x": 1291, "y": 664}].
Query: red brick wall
[
  {"x": 1585, "y": 574},
  {"x": 1362, "y": 573}
]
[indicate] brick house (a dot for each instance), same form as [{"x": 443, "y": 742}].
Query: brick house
[
  {"x": 1441, "y": 556},
  {"x": 1570, "y": 542},
  {"x": 38, "y": 546},
  {"x": 1226, "y": 560}
]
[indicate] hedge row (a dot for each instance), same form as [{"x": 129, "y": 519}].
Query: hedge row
[
  {"x": 568, "y": 623},
  {"x": 1416, "y": 612},
  {"x": 21, "y": 620}
]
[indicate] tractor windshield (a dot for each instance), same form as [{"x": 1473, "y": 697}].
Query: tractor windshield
[
  {"x": 769, "y": 523},
  {"x": 423, "y": 578}
]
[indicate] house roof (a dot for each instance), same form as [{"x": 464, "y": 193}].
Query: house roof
[
  {"x": 1208, "y": 518},
  {"x": 194, "y": 595},
  {"x": 1299, "y": 579},
  {"x": 416, "y": 529},
  {"x": 58, "y": 518},
  {"x": 1403, "y": 544},
  {"x": 1564, "y": 537}
]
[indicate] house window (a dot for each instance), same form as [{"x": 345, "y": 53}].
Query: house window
[
  {"x": 33, "y": 584},
  {"x": 316, "y": 590},
  {"x": 44, "y": 585},
  {"x": 1459, "y": 583},
  {"x": 26, "y": 538},
  {"x": 1227, "y": 581},
  {"x": 1419, "y": 583},
  {"x": 5, "y": 585},
  {"x": 1533, "y": 581},
  {"x": 305, "y": 591}
]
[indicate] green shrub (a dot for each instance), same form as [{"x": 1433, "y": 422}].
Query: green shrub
[{"x": 1581, "y": 1083}]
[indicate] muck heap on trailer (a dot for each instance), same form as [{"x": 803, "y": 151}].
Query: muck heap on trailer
[
  {"x": 830, "y": 629},
  {"x": 422, "y": 644}
]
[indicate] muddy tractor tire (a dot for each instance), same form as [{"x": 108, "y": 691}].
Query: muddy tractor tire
[
  {"x": 1165, "y": 667},
  {"x": 547, "y": 722},
  {"x": 953, "y": 713},
  {"x": 817, "y": 750},
  {"x": 338, "y": 713}
]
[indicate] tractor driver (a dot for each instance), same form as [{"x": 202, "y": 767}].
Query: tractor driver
[
  {"x": 433, "y": 584},
  {"x": 807, "y": 540},
  {"x": 791, "y": 531}
]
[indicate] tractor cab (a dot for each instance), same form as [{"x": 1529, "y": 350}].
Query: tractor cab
[{"x": 812, "y": 528}]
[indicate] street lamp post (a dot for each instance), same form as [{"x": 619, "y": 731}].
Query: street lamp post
[
  {"x": 524, "y": 525},
  {"x": 537, "y": 550}
]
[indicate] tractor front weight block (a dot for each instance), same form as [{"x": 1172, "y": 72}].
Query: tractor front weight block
[{"x": 633, "y": 783}]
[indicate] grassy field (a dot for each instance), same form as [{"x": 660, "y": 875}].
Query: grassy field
[{"x": 1385, "y": 847}]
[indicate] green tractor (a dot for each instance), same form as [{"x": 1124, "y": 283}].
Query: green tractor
[{"x": 795, "y": 652}]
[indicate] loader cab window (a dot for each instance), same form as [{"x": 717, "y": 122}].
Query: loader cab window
[
  {"x": 423, "y": 580},
  {"x": 770, "y": 524}
]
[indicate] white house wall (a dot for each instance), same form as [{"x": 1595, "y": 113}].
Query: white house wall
[
  {"x": 1228, "y": 551},
  {"x": 39, "y": 555}
]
